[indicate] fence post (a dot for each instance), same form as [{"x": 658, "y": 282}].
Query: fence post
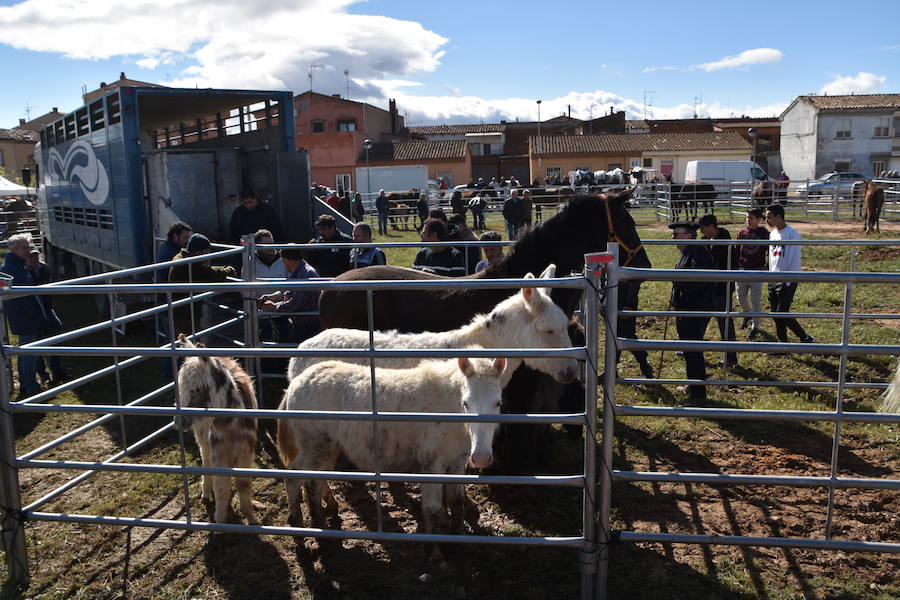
[
  {"x": 607, "y": 262},
  {"x": 251, "y": 323},
  {"x": 12, "y": 519}
]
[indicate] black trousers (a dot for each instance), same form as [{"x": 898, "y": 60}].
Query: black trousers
[
  {"x": 780, "y": 297},
  {"x": 693, "y": 328},
  {"x": 726, "y": 325},
  {"x": 626, "y": 327}
]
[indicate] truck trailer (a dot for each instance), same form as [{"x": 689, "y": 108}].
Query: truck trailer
[{"x": 117, "y": 172}]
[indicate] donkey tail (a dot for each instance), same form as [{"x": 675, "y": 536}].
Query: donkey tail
[{"x": 285, "y": 440}]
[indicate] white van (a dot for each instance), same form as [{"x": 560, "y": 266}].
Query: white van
[{"x": 723, "y": 172}]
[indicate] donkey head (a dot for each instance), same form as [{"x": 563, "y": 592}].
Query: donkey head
[{"x": 481, "y": 394}]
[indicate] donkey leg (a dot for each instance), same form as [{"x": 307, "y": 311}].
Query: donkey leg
[
  {"x": 432, "y": 512},
  {"x": 200, "y": 434}
]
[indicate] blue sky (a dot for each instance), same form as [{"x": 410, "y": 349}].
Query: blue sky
[{"x": 456, "y": 62}]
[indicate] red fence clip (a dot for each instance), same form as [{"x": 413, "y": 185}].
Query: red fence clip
[{"x": 599, "y": 257}]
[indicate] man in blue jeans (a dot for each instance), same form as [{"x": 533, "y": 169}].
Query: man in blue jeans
[{"x": 28, "y": 317}]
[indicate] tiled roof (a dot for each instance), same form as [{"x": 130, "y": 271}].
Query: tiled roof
[
  {"x": 19, "y": 135},
  {"x": 417, "y": 150},
  {"x": 854, "y": 101},
  {"x": 639, "y": 142},
  {"x": 636, "y": 124},
  {"x": 457, "y": 129}
]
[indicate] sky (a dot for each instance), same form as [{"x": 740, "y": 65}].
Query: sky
[{"x": 456, "y": 62}]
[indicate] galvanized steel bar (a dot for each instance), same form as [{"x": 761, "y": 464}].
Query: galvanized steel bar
[
  {"x": 755, "y": 414},
  {"x": 763, "y": 347},
  {"x": 419, "y": 538},
  {"x": 748, "y": 383},
  {"x": 766, "y": 480},
  {"x": 770, "y": 542}
]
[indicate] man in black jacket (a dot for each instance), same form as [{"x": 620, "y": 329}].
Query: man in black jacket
[
  {"x": 253, "y": 215},
  {"x": 709, "y": 227},
  {"x": 692, "y": 295},
  {"x": 329, "y": 262}
]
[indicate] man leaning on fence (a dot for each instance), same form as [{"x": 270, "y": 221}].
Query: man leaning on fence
[
  {"x": 292, "y": 301},
  {"x": 28, "y": 316},
  {"x": 724, "y": 258},
  {"x": 692, "y": 295}
]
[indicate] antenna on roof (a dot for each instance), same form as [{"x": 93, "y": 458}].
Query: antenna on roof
[
  {"x": 28, "y": 108},
  {"x": 311, "y": 68},
  {"x": 645, "y": 103}
]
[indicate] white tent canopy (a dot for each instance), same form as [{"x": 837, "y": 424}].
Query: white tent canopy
[{"x": 8, "y": 188}]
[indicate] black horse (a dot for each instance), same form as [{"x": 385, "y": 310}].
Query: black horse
[
  {"x": 585, "y": 225},
  {"x": 687, "y": 196}
]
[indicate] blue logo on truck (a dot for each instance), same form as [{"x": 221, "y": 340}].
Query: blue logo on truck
[{"x": 80, "y": 162}]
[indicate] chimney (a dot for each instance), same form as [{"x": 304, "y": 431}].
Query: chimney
[
  {"x": 570, "y": 111},
  {"x": 338, "y": 96},
  {"x": 103, "y": 84},
  {"x": 21, "y": 122},
  {"x": 55, "y": 109},
  {"x": 121, "y": 74},
  {"x": 392, "y": 109},
  {"x": 612, "y": 110},
  {"x": 502, "y": 122}
]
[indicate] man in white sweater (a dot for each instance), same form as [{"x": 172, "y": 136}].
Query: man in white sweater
[{"x": 783, "y": 258}]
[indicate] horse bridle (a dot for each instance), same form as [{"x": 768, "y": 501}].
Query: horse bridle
[{"x": 613, "y": 237}]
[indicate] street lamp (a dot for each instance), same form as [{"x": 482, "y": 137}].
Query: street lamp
[
  {"x": 539, "y": 145},
  {"x": 752, "y": 133},
  {"x": 368, "y": 146}
]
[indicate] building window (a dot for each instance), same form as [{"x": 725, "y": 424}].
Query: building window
[
  {"x": 346, "y": 125},
  {"x": 485, "y": 149},
  {"x": 318, "y": 126},
  {"x": 843, "y": 128},
  {"x": 554, "y": 173},
  {"x": 304, "y": 103},
  {"x": 882, "y": 127},
  {"x": 635, "y": 163},
  {"x": 648, "y": 163},
  {"x": 842, "y": 164},
  {"x": 342, "y": 183},
  {"x": 877, "y": 167}
]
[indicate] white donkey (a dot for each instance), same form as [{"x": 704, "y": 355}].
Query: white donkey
[
  {"x": 528, "y": 319},
  {"x": 216, "y": 382},
  {"x": 451, "y": 386},
  {"x": 890, "y": 400}
]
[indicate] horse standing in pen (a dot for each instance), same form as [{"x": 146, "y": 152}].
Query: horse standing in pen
[
  {"x": 454, "y": 386},
  {"x": 225, "y": 442},
  {"x": 873, "y": 201},
  {"x": 584, "y": 225}
]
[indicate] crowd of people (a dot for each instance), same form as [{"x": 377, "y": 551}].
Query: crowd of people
[{"x": 702, "y": 296}]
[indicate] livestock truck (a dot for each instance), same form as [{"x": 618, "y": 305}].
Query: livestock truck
[{"x": 117, "y": 172}]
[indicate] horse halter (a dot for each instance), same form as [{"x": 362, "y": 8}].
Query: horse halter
[{"x": 613, "y": 237}]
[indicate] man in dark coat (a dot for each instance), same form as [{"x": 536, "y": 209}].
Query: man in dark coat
[
  {"x": 183, "y": 272},
  {"x": 329, "y": 262},
  {"x": 383, "y": 206},
  {"x": 29, "y": 317},
  {"x": 253, "y": 215},
  {"x": 724, "y": 257},
  {"x": 692, "y": 295}
]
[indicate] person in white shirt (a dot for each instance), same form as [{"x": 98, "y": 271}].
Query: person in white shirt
[
  {"x": 267, "y": 260},
  {"x": 783, "y": 258}
]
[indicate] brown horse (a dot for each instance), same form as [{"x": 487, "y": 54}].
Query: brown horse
[
  {"x": 584, "y": 225},
  {"x": 766, "y": 193},
  {"x": 873, "y": 202}
]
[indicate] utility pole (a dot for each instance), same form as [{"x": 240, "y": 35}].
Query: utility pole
[
  {"x": 311, "y": 68},
  {"x": 539, "y": 138}
]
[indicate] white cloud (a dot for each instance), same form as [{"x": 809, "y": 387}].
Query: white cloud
[
  {"x": 863, "y": 83},
  {"x": 428, "y": 110},
  {"x": 747, "y": 57},
  {"x": 230, "y": 43}
]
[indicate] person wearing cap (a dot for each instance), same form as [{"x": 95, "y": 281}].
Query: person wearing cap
[
  {"x": 201, "y": 271},
  {"x": 692, "y": 295},
  {"x": 29, "y": 318},
  {"x": 253, "y": 215},
  {"x": 724, "y": 258}
]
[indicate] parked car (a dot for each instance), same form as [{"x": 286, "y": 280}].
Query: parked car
[{"x": 827, "y": 184}]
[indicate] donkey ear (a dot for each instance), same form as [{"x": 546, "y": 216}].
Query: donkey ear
[
  {"x": 549, "y": 272},
  {"x": 499, "y": 365},
  {"x": 528, "y": 292},
  {"x": 465, "y": 366}
]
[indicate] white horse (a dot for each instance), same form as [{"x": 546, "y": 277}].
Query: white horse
[
  {"x": 890, "y": 400},
  {"x": 528, "y": 319},
  {"x": 452, "y": 386}
]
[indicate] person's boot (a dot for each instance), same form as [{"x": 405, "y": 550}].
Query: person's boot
[{"x": 646, "y": 369}]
